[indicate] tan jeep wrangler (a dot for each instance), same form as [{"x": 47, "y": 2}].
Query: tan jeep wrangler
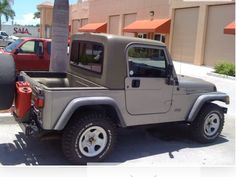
[{"x": 111, "y": 82}]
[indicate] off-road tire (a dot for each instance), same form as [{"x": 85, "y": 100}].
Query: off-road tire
[
  {"x": 198, "y": 124},
  {"x": 75, "y": 129},
  {"x": 7, "y": 81}
]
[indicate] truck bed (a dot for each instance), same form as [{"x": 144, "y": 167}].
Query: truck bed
[{"x": 59, "y": 80}]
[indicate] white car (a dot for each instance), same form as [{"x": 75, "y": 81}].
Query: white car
[
  {"x": 5, "y": 35},
  {"x": 5, "y": 39}
]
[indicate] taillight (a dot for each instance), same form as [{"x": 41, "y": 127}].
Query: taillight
[{"x": 39, "y": 102}]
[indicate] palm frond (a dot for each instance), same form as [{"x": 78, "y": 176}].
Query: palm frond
[{"x": 6, "y": 9}]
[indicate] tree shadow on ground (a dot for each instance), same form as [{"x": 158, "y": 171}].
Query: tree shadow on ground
[{"x": 131, "y": 144}]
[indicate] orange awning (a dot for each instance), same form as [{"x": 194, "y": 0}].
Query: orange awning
[
  {"x": 94, "y": 28},
  {"x": 149, "y": 26},
  {"x": 230, "y": 28}
]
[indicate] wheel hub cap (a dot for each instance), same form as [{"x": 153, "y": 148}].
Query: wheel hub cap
[
  {"x": 212, "y": 124},
  {"x": 92, "y": 141}
]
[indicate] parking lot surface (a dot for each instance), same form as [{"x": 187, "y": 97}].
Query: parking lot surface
[{"x": 164, "y": 144}]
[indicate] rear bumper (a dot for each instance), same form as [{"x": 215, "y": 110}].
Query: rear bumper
[{"x": 29, "y": 128}]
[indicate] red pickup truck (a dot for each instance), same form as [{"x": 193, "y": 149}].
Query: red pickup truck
[{"x": 30, "y": 54}]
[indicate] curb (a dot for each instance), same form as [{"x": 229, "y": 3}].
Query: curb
[
  {"x": 5, "y": 115},
  {"x": 221, "y": 76}
]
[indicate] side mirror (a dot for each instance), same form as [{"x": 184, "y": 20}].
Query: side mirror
[{"x": 17, "y": 51}]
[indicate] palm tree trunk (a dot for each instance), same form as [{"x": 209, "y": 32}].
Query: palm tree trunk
[
  {"x": 59, "y": 58},
  {"x": 0, "y": 22}
]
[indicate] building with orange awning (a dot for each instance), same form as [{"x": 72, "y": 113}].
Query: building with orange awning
[
  {"x": 153, "y": 29},
  {"x": 149, "y": 26},
  {"x": 194, "y": 32},
  {"x": 94, "y": 28},
  {"x": 230, "y": 28}
]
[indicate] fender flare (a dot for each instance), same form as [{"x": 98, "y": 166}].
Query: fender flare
[
  {"x": 86, "y": 101},
  {"x": 201, "y": 100}
]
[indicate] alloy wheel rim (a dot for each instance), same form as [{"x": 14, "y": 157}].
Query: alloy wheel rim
[
  {"x": 93, "y": 141},
  {"x": 212, "y": 124}
]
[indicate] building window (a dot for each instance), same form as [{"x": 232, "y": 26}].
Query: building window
[
  {"x": 146, "y": 62},
  {"x": 87, "y": 55},
  {"x": 142, "y": 35},
  {"x": 160, "y": 37}
]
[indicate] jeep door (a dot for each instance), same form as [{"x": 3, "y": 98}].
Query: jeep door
[{"x": 147, "y": 91}]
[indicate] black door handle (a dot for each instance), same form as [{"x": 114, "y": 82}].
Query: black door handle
[{"x": 135, "y": 83}]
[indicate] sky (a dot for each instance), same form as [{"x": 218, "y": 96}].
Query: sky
[{"x": 25, "y": 10}]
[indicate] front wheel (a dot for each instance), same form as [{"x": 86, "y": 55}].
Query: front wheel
[
  {"x": 208, "y": 124},
  {"x": 89, "y": 138}
]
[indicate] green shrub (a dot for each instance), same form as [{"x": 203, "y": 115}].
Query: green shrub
[{"x": 225, "y": 68}]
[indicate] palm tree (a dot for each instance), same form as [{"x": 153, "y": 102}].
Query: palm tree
[
  {"x": 37, "y": 15},
  {"x": 6, "y": 10},
  {"x": 59, "y": 58}
]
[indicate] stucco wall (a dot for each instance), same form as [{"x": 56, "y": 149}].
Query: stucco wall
[
  {"x": 186, "y": 4},
  {"x": 79, "y": 10},
  {"x": 45, "y": 20},
  {"x": 98, "y": 11},
  {"x": 106, "y": 8}
]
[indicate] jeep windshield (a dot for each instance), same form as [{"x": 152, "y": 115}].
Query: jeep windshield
[{"x": 13, "y": 45}]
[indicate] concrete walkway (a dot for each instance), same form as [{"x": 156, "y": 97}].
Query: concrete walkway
[{"x": 223, "y": 84}]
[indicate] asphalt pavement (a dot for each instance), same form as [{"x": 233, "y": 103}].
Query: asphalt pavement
[
  {"x": 169, "y": 144},
  {"x": 162, "y": 145}
]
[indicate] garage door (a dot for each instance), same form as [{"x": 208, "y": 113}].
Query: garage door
[
  {"x": 184, "y": 34},
  {"x": 114, "y": 24},
  {"x": 128, "y": 19},
  {"x": 219, "y": 46}
]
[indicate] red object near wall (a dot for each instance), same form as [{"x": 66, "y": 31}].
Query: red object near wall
[
  {"x": 23, "y": 99},
  {"x": 37, "y": 59},
  {"x": 230, "y": 28},
  {"x": 69, "y": 28}
]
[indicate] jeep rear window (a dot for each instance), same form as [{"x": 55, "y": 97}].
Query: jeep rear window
[{"x": 87, "y": 55}]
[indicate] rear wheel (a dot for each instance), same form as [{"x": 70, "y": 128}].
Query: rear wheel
[
  {"x": 90, "y": 138},
  {"x": 7, "y": 81},
  {"x": 208, "y": 124}
]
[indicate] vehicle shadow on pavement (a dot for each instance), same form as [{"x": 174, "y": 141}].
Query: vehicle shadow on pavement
[
  {"x": 131, "y": 144},
  {"x": 163, "y": 138},
  {"x": 30, "y": 151}
]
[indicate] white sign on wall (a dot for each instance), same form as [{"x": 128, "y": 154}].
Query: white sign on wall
[{"x": 21, "y": 31}]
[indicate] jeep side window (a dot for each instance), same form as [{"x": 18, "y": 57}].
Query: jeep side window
[
  {"x": 87, "y": 55},
  {"x": 146, "y": 62}
]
